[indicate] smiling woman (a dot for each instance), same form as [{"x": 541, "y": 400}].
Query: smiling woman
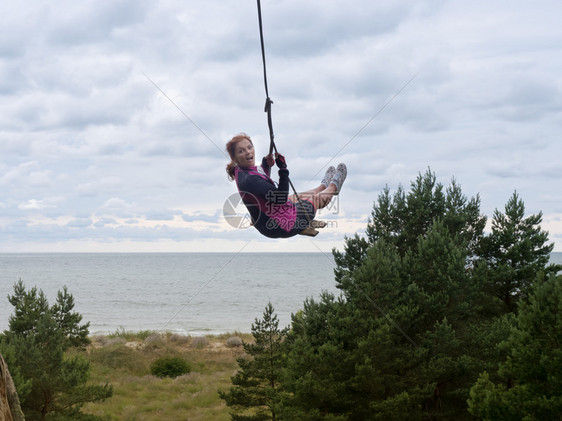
[{"x": 275, "y": 213}]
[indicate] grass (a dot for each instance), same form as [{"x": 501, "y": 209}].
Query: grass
[{"x": 123, "y": 359}]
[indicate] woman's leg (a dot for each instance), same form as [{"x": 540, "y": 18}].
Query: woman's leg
[
  {"x": 316, "y": 190},
  {"x": 320, "y": 196}
]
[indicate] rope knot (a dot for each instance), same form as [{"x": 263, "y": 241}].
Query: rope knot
[{"x": 268, "y": 103}]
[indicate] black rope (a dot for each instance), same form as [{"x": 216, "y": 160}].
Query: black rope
[{"x": 268, "y": 102}]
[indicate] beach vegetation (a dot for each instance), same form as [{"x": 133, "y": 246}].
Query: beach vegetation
[
  {"x": 127, "y": 335},
  {"x": 234, "y": 341},
  {"x": 179, "y": 339},
  {"x": 138, "y": 394},
  {"x": 199, "y": 342}
]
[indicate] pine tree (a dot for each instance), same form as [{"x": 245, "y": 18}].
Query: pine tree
[
  {"x": 256, "y": 391},
  {"x": 533, "y": 363},
  {"x": 318, "y": 369},
  {"x": 417, "y": 353},
  {"x": 417, "y": 319},
  {"x": 516, "y": 251},
  {"x": 398, "y": 344},
  {"x": 48, "y": 380},
  {"x": 401, "y": 219}
]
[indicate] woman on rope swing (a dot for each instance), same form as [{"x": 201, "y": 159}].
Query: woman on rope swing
[{"x": 274, "y": 212}]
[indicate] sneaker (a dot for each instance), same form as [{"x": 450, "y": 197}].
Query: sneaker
[
  {"x": 330, "y": 172},
  {"x": 339, "y": 178}
]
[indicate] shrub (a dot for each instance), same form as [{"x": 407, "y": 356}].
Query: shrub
[
  {"x": 179, "y": 339},
  {"x": 199, "y": 342},
  {"x": 169, "y": 367},
  {"x": 234, "y": 342}
]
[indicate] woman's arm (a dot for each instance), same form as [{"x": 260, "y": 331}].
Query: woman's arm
[{"x": 283, "y": 189}]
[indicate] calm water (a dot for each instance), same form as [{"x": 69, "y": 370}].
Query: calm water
[{"x": 194, "y": 293}]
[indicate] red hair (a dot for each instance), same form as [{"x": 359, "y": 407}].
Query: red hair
[{"x": 231, "y": 149}]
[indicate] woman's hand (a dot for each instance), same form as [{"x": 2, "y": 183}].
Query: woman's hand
[
  {"x": 280, "y": 160},
  {"x": 270, "y": 160}
]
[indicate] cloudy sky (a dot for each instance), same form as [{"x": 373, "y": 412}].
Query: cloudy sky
[{"x": 114, "y": 114}]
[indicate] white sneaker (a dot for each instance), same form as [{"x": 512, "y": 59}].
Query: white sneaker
[
  {"x": 339, "y": 178},
  {"x": 330, "y": 172}
]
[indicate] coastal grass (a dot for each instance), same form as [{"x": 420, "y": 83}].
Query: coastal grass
[{"x": 123, "y": 359}]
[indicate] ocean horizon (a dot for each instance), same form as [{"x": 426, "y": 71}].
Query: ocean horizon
[{"x": 187, "y": 293}]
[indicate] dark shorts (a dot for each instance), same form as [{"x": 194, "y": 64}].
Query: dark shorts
[{"x": 305, "y": 214}]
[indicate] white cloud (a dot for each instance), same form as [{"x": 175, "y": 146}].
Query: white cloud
[{"x": 32, "y": 204}]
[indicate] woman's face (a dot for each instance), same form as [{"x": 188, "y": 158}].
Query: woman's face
[{"x": 244, "y": 153}]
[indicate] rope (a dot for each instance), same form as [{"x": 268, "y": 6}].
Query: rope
[{"x": 269, "y": 102}]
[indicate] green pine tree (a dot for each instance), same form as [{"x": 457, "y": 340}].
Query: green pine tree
[
  {"x": 530, "y": 387},
  {"x": 401, "y": 219},
  {"x": 318, "y": 368},
  {"x": 416, "y": 357},
  {"x": 51, "y": 383},
  {"x": 256, "y": 391},
  {"x": 516, "y": 251},
  {"x": 399, "y": 343},
  {"x": 417, "y": 320}
]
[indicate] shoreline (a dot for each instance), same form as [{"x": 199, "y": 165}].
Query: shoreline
[{"x": 192, "y": 333}]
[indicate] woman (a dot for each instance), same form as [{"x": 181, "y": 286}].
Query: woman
[{"x": 274, "y": 212}]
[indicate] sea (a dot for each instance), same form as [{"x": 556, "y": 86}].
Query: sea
[{"x": 187, "y": 293}]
